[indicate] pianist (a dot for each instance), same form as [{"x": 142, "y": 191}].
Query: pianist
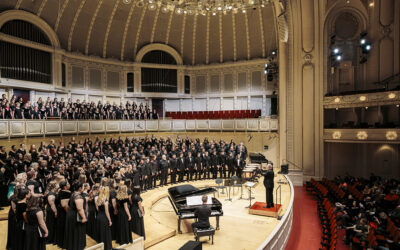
[{"x": 203, "y": 214}]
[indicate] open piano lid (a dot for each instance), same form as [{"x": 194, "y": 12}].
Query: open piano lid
[{"x": 179, "y": 193}]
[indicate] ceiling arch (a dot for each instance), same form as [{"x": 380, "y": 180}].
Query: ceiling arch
[{"x": 113, "y": 29}]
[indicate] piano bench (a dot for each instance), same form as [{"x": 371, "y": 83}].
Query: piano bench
[{"x": 204, "y": 232}]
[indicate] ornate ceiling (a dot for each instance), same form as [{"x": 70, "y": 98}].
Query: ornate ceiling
[{"x": 113, "y": 29}]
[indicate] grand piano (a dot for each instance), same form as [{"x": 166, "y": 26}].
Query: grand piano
[
  {"x": 177, "y": 196},
  {"x": 257, "y": 158}
]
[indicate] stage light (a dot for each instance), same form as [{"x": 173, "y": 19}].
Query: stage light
[
  {"x": 336, "y": 51},
  {"x": 338, "y": 58},
  {"x": 397, "y": 105},
  {"x": 243, "y": 11},
  {"x": 363, "y": 41},
  {"x": 368, "y": 47},
  {"x": 366, "y": 108},
  {"x": 273, "y": 52}
]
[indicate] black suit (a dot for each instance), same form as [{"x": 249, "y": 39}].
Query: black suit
[
  {"x": 239, "y": 165},
  {"x": 173, "y": 165},
  {"x": 203, "y": 214},
  {"x": 269, "y": 186},
  {"x": 181, "y": 168}
]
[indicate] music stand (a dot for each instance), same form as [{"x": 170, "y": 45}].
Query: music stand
[
  {"x": 228, "y": 183},
  {"x": 250, "y": 185}
]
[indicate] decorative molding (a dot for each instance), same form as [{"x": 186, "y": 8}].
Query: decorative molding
[
  {"x": 208, "y": 39},
  {"x": 42, "y": 5},
  {"x": 91, "y": 26},
  {"x": 366, "y": 135},
  {"x": 139, "y": 30},
  {"x": 18, "y": 4},
  {"x": 234, "y": 37},
  {"x": 110, "y": 20},
  {"x": 221, "y": 51},
  {"x": 183, "y": 33},
  {"x": 169, "y": 27},
  {"x": 71, "y": 32},
  {"x": 362, "y": 100},
  {"x": 246, "y": 21},
  {"x": 154, "y": 24},
  {"x": 159, "y": 46},
  {"x": 128, "y": 21},
  {"x": 194, "y": 40},
  {"x": 60, "y": 13},
  {"x": 262, "y": 32},
  {"x": 308, "y": 58},
  {"x": 31, "y": 18}
]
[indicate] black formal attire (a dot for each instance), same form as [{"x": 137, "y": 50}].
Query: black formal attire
[
  {"x": 103, "y": 230},
  {"x": 12, "y": 220},
  {"x": 239, "y": 165},
  {"x": 61, "y": 218},
  {"x": 206, "y": 166},
  {"x": 198, "y": 163},
  {"x": 91, "y": 223},
  {"x": 231, "y": 163},
  {"x": 34, "y": 236},
  {"x": 148, "y": 174},
  {"x": 214, "y": 163},
  {"x": 75, "y": 232},
  {"x": 51, "y": 221},
  {"x": 181, "y": 168},
  {"x": 190, "y": 168},
  {"x": 203, "y": 214},
  {"x": 114, "y": 226},
  {"x": 164, "y": 172},
  {"x": 222, "y": 163},
  {"x": 154, "y": 173},
  {"x": 269, "y": 186},
  {"x": 173, "y": 165},
  {"x": 124, "y": 235},
  {"x": 19, "y": 243},
  {"x": 137, "y": 218}
]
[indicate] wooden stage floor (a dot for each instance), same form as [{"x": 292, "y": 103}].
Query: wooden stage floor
[{"x": 238, "y": 228}]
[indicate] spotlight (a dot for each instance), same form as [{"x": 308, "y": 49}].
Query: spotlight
[
  {"x": 368, "y": 47},
  {"x": 336, "y": 51},
  {"x": 266, "y": 68},
  {"x": 338, "y": 58},
  {"x": 273, "y": 52},
  {"x": 243, "y": 11},
  {"x": 363, "y": 41}
]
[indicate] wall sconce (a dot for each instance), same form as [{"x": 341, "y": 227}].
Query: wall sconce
[
  {"x": 363, "y": 98},
  {"x": 391, "y": 135},
  {"x": 362, "y": 135},
  {"x": 336, "y": 135},
  {"x": 337, "y": 99},
  {"x": 392, "y": 95}
]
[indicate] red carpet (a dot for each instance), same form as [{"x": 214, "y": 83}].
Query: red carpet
[{"x": 306, "y": 228}]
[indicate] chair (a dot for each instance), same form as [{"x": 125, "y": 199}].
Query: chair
[
  {"x": 220, "y": 186},
  {"x": 204, "y": 232},
  {"x": 235, "y": 181}
]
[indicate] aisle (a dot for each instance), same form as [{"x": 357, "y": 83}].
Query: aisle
[{"x": 306, "y": 228}]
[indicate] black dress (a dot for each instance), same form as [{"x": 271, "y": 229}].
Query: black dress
[
  {"x": 61, "y": 217},
  {"x": 124, "y": 235},
  {"x": 19, "y": 227},
  {"x": 114, "y": 226},
  {"x": 138, "y": 224},
  {"x": 91, "y": 224},
  {"x": 103, "y": 230},
  {"x": 33, "y": 237},
  {"x": 75, "y": 232},
  {"x": 12, "y": 221},
  {"x": 51, "y": 221}
]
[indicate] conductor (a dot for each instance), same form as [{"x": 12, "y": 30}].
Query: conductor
[
  {"x": 269, "y": 185},
  {"x": 203, "y": 214}
]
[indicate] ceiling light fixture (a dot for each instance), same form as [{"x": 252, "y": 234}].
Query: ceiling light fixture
[{"x": 201, "y": 6}]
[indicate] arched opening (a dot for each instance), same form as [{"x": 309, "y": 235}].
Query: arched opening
[
  {"x": 155, "y": 79},
  {"x": 21, "y": 62}
]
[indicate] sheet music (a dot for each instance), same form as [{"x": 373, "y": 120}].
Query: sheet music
[
  {"x": 196, "y": 200},
  {"x": 250, "y": 184}
]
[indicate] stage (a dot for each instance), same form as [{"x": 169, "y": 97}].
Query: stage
[{"x": 238, "y": 228}]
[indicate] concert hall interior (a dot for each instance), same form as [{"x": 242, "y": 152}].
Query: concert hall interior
[{"x": 196, "y": 124}]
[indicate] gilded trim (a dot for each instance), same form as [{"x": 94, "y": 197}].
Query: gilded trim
[
  {"x": 169, "y": 27},
  {"x": 128, "y": 21},
  {"x": 71, "y": 32},
  {"x": 60, "y": 13},
  {"x": 154, "y": 24},
  {"x": 194, "y": 40},
  {"x": 139, "y": 29},
  {"x": 109, "y": 27},
  {"x": 91, "y": 26}
]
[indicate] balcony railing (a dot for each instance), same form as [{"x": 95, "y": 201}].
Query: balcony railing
[{"x": 25, "y": 128}]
